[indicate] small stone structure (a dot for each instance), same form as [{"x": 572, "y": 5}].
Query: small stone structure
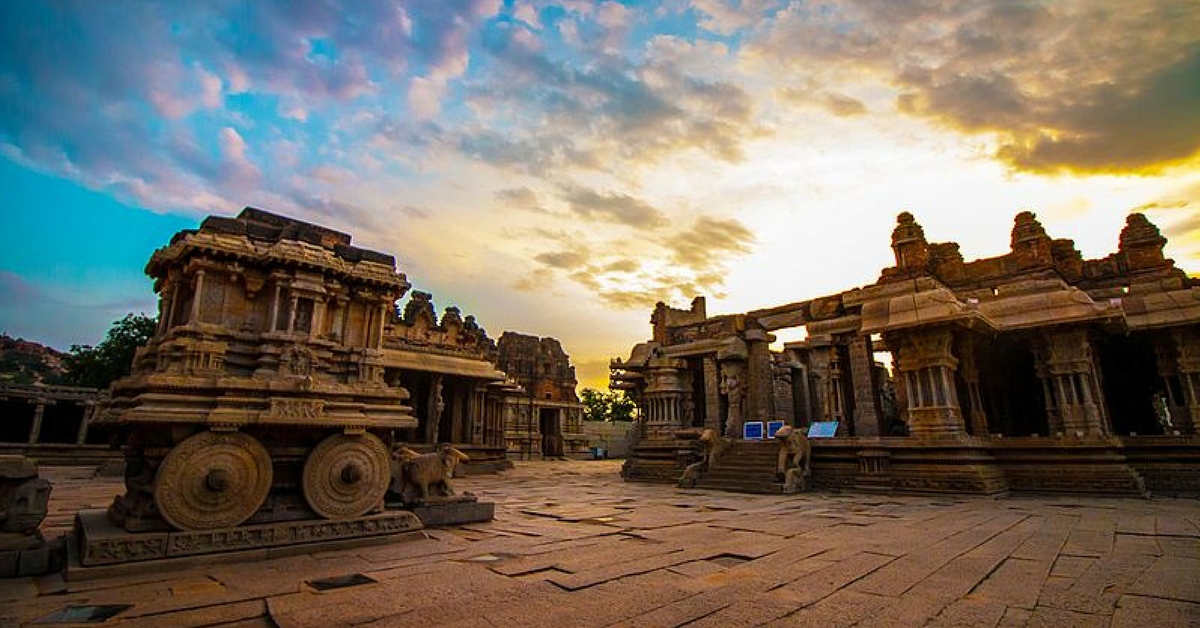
[
  {"x": 548, "y": 417},
  {"x": 1033, "y": 370},
  {"x": 23, "y": 505}
]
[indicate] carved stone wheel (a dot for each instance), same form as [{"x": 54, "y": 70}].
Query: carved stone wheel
[
  {"x": 346, "y": 475},
  {"x": 212, "y": 480}
]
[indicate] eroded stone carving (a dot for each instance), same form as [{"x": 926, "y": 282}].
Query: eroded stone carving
[
  {"x": 420, "y": 478},
  {"x": 794, "y": 465},
  {"x": 23, "y": 503},
  {"x": 711, "y": 445}
]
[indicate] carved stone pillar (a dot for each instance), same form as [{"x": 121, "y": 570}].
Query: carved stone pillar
[
  {"x": 39, "y": 410},
  {"x": 867, "y": 417},
  {"x": 274, "y": 315},
  {"x": 732, "y": 387},
  {"x": 758, "y": 380},
  {"x": 835, "y": 391},
  {"x": 712, "y": 394},
  {"x": 969, "y": 369},
  {"x": 81, "y": 434},
  {"x": 166, "y": 306},
  {"x": 927, "y": 365},
  {"x": 477, "y": 415},
  {"x": 1187, "y": 347},
  {"x": 434, "y": 407},
  {"x": 1076, "y": 390},
  {"x": 197, "y": 297},
  {"x": 667, "y": 386},
  {"x": 1053, "y": 419}
]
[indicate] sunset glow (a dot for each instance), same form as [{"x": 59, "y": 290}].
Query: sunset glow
[{"x": 556, "y": 168}]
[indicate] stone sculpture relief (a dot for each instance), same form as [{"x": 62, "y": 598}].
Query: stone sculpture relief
[
  {"x": 712, "y": 445},
  {"x": 795, "y": 456},
  {"x": 23, "y": 500},
  {"x": 420, "y": 478}
]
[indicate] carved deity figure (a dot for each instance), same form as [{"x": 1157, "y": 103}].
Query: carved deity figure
[
  {"x": 794, "y": 462},
  {"x": 436, "y": 407},
  {"x": 731, "y": 387}
]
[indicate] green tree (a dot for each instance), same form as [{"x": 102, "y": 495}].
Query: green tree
[
  {"x": 620, "y": 406},
  {"x": 99, "y": 366},
  {"x": 606, "y": 406}
]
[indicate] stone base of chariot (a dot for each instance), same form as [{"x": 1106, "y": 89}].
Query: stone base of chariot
[
  {"x": 99, "y": 543},
  {"x": 454, "y": 510}
]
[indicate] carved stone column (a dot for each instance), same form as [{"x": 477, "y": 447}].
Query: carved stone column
[
  {"x": 1187, "y": 347},
  {"x": 197, "y": 296},
  {"x": 1076, "y": 390},
  {"x": 434, "y": 407},
  {"x": 81, "y": 434},
  {"x": 927, "y": 365},
  {"x": 758, "y": 379},
  {"x": 1053, "y": 419},
  {"x": 712, "y": 394},
  {"x": 867, "y": 416},
  {"x": 969, "y": 369},
  {"x": 39, "y": 410},
  {"x": 667, "y": 386},
  {"x": 835, "y": 391},
  {"x": 734, "y": 390}
]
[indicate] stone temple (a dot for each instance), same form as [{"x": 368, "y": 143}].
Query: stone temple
[
  {"x": 1034, "y": 370},
  {"x": 548, "y": 421},
  {"x": 286, "y": 396}
]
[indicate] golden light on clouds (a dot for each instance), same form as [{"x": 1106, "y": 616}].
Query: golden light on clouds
[{"x": 557, "y": 167}]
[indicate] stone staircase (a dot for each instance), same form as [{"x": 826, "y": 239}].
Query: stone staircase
[{"x": 746, "y": 467}]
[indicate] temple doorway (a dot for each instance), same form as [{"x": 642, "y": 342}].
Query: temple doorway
[{"x": 551, "y": 430}]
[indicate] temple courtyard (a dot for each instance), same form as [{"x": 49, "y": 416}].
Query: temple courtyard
[{"x": 574, "y": 545}]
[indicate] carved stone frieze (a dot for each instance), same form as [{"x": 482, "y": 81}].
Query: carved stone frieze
[
  {"x": 1068, "y": 351},
  {"x": 284, "y": 410},
  {"x": 102, "y": 544},
  {"x": 925, "y": 348}
]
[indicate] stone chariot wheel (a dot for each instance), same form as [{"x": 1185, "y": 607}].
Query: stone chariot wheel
[
  {"x": 212, "y": 480},
  {"x": 346, "y": 475}
]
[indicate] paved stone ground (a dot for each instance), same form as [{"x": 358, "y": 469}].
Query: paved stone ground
[{"x": 573, "y": 545}]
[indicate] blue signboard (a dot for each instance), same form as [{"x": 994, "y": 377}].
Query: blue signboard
[
  {"x": 773, "y": 427},
  {"x": 752, "y": 430},
  {"x": 823, "y": 429}
]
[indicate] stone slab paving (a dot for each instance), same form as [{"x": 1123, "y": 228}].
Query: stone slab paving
[{"x": 574, "y": 545}]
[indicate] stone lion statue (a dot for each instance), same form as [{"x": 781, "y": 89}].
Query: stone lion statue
[
  {"x": 795, "y": 459},
  {"x": 712, "y": 445},
  {"x": 417, "y": 477}
]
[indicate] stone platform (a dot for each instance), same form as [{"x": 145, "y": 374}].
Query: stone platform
[
  {"x": 455, "y": 512},
  {"x": 573, "y": 544},
  {"x": 102, "y": 543}
]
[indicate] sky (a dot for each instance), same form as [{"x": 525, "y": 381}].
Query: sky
[{"x": 555, "y": 168}]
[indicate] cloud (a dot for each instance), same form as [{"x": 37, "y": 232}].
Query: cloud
[
  {"x": 836, "y": 103},
  {"x": 699, "y": 255},
  {"x": 1067, "y": 86},
  {"x": 140, "y": 100},
  {"x": 726, "y": 18},
  {"x": 555, "y": 113},
  {"x": 15, "y": 291},
  {"x": 563, "y": 259},
  {"x": 709, "y": 241},
  {"x": 1179, "y": 212},
  {"x": 615, "y": 208},
  {"x": 519, "y": 198}
]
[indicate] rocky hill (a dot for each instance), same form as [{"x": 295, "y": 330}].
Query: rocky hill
[{"x": 25, "y": 362}]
